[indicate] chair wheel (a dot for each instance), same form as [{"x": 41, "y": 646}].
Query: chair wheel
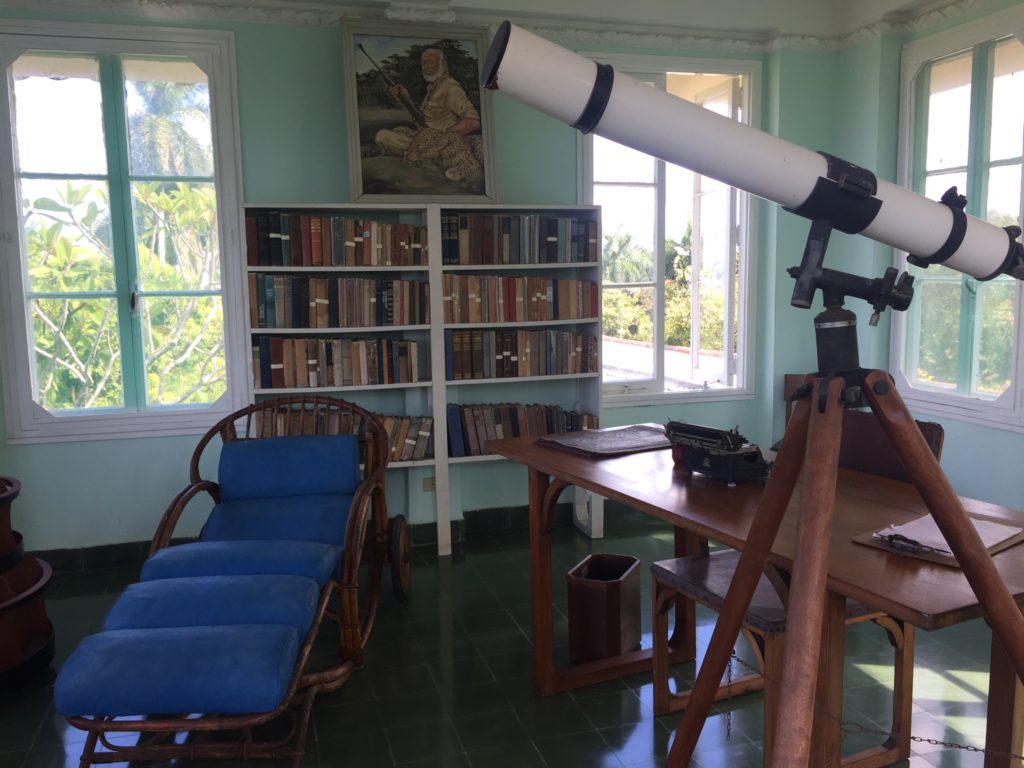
[{"x": 398, "y": 556}]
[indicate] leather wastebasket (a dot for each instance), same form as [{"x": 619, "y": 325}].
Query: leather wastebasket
[{"x": 604, "y": 606}]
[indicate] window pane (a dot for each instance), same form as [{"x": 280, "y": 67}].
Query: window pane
[
  {"x": 949, "y": 112},
  {"x": 936, "y": 186},
  {"x": 1004, "y": 195},
  {"x": 994, "y": 346},
  {"x": 616, "y": 162},
  {"x": 176, "y": 236},
  {"x": 678, "y": 205},
  {"x": 67, "y": 234},
  {"x": 1007, "y": 134},
  {"x": 627, "y": 220},
  {"x": 938, "y": 340},
  {"x": 77, "y": 354},
  {"x": 184, "y": 341},
  {"x": 627, "y": 350},
  {"x": 168, "y": 110},
  {"x": 58, "y": 114}
]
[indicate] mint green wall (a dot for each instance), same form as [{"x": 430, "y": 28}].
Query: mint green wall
[
  {"x": 294, "y": 148},
  {"x": 801, "y": 110}
]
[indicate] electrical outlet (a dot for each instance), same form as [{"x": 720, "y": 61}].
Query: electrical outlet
[{"x": 428, "y": 484}]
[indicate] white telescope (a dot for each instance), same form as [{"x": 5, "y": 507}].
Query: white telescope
[{"x": 591, "y": 97}]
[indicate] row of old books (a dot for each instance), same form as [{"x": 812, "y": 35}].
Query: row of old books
[
  {"x": 281, "y": 239},
  {"x": 284, "y": 362},
  {"x": 411, "y": 438},
  {"x": 511, "y": 238},
  {"x": 470, "y": 298},
  {"x": 300, "y": 301},
  {"x": 481, "y": 353},
  {"x": 471, "y": 426}
]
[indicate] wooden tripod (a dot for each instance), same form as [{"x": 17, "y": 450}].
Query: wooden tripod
[{"x": 812, "y": 439}]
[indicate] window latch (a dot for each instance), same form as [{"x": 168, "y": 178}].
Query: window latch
[{"x": 133, "y": 300}]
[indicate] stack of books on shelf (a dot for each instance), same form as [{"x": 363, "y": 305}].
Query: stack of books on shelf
[
  {"x": 411, "y": 437},
  {"x": 471, "y": 426},
  {"x": 282, "y": 239},
  {"x": 286, "y": 362},
  {"x": 496, "y": 299},
  {"x": 480, "y": 353},
  {"x": 300, "y": 301},
  {"x": 517, "y": 238}
]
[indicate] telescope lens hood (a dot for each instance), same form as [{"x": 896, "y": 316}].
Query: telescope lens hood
[{"x": 494, "y": 56}]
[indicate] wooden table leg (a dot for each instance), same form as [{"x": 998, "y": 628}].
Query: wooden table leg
[
  {"x": 1004, "y": 732},
  {"x": 540, "y": 584},
  {"x": 683, "y": 642}
]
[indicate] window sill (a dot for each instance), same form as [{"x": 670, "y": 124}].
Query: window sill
[
  {"x": 975, "y": 412},
  {"x": 112, "y": 426},
  {"x": 621, "y": 400}
]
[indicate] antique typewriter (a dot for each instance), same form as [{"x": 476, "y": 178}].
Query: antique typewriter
[{"x": 718, "y": 453}]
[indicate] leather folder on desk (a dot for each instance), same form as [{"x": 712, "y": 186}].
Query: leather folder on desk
[
  {"x": 922, "y": 539},
  {"x": 610, "y": 442}
]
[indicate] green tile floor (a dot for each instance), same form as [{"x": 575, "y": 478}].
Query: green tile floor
[{"x": 447, "y": 679}]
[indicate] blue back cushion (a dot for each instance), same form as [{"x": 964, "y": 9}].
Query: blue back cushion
[{"x": 299, "y": 465}]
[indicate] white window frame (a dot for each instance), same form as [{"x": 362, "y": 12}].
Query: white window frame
[
  {"x": 214, "y": 53},
  {"x": 1006, "y": 411},
  {"x": 620, "y": 394}
]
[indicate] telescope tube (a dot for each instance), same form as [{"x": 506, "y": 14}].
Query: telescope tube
[{"x": 589, "y": 96}]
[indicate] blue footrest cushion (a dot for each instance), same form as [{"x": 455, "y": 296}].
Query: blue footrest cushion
[
  {"x": 209, "y": 670},
  {"x": 224, "y": 558},
  {"x": 216, "y": 601},
  {"x": 321, "y": 517}
]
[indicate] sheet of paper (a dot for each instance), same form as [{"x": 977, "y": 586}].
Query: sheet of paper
[{"x": 924, "y": 531}]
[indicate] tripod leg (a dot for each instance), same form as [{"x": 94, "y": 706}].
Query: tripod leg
[
  {"x": 763, "y": 529},
  {"x": 940, "y": 498},
  {"x": 807, "y": 588}
]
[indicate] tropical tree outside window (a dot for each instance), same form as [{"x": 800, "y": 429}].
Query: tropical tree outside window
[
  {"x": 674, "y": 260},
  {"x": 961, "y": 336},
  {"x": 115, "y": 176}
]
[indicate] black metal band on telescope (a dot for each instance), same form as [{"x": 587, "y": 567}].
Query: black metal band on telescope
[
  {"x": 598, "y": 100},
  {"x": 846, "y": 197},
  {"x": 1013, "y": 253},
  {"x": 956, "y": 204}
]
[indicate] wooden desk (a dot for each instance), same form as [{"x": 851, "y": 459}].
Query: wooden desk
[{"x": 923, "y": 594}]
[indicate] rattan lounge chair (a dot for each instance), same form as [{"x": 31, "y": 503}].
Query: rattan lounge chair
[{"x": 209, "y": 655}]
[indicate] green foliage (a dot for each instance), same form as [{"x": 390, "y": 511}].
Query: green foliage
[
  {"x": 628, "y": 312},
  {"x": 76, "y": 307},
  {"x": 938, "y": 345}
]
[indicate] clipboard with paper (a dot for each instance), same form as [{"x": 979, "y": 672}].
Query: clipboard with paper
[{"x": 921, "y": 538}]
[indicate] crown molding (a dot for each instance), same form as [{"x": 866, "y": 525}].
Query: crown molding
[
  {"x": 439, "y": 14},
  {"x": 571, "y": 32},
  {"x": 685, "y": 40},
  {"x": 265, "y": 11}
]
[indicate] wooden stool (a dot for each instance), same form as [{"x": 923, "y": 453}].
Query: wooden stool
[{"x": 705, "y": 579}]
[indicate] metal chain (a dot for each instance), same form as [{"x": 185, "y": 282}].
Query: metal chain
[{"x": 851, "y": 728}]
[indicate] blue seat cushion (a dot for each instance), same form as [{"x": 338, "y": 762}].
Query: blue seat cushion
[
  {"x": 225, "y": 670},
  {"x": 301, "y": 465},
  {"x": 216, "y": 601},
  {"x": 321, "y": 517},
  {"x": 225, "y": 558}
]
